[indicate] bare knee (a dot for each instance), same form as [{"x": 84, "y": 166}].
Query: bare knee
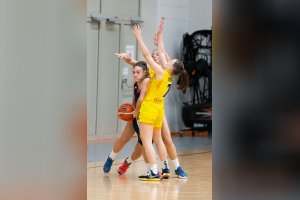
[
  {"x": 166, "y": 136},
  {"x": 138, "y": 148},
  {"x": 127, "y": 134},
  {"x": 124, "y": 139},
  {"x": 138, "y": 151},
  {"x": 147, "y": 144},
  {"x": 168, "y": 141},
  {"x": 157, "y": 139}
]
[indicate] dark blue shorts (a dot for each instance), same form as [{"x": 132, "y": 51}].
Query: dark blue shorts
[{"x": 137, "y": 130}]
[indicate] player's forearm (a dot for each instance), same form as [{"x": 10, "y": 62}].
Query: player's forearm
[
  {"x": 144, "y": 50},
  {"x": 167, "y": 56},
  {"x": 131, "y": 62},
  {"x": 160, "y": 43},
  {"x": 161, "y": 51},
  {"x": 138, "y": 104}
]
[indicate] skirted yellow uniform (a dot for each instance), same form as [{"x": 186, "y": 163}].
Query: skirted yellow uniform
[{"x": 152, "y": 108}]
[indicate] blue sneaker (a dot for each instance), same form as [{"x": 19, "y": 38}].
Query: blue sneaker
[
  {"x": 165, "y": 173},
  {"x": 181, "y": 174},
  {"x": 107, "y": 165},
  {"x": 150, "y": 176}
]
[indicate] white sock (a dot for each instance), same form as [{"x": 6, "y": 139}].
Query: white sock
[
  {"x": 113, "y": 155},
  {"x": 175, "y": 163},
  {"x": 148, "y": 166},
  {"x": 153, "y": 168},
  {"x": 129, "y": 160},
  {"x": 165, "y": 164}
]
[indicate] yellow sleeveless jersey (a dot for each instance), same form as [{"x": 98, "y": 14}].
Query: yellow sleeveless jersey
[{"x": 157, "y": 89}]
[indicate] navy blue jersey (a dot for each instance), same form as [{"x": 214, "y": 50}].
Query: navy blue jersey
[
  {"x": 136, "y": 92},
  {"x": 137, "y": 130}
]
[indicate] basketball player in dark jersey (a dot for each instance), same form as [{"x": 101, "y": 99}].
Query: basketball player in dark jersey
[{"x": 140, "y": 73}]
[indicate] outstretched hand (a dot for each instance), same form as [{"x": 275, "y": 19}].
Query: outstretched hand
[
  {"x": 123, "y": 56},
  {"x": 161, "y": 25},
  {"x": 159, "y": 31},
  {"x": 137, "y": 30}
]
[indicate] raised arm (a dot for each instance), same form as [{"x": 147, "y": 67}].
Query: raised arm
[
  {"x": 156, "y": 44},
  {"x": 144, "y": 88},
  {"x": 126, "y": 58},
  {"x": 146, "y": 54},
  {"x": 160, "y": 44}
]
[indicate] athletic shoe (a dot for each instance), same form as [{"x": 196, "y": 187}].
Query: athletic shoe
[
  {"x": 150, "y": 176},
  {"x": 107, "y": 165},
  {"x": 123, "y": 168},
  {"x": 181, "y": 174},
  {"x": 165, "y": 173}
]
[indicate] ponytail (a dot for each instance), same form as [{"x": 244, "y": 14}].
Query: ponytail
[
  {"x": 184, "y": 77},
  {"x": 184, "y": 81}
]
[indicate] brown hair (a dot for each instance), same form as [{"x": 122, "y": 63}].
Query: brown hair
[
  {"x": 143, "y": 65},
  {"x": 184, "y": 78}
]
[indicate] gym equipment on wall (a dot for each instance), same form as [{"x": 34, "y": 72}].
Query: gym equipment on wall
[{"x": 196, "y": 54}]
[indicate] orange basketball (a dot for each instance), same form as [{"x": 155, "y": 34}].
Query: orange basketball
[{"x": 125, "y": 112}]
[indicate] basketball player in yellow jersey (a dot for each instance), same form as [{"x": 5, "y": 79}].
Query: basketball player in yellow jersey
[{"x": 150, "y": 108}]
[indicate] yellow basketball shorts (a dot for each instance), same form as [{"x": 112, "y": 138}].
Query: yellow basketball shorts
[{"x": 152, "y": 113}]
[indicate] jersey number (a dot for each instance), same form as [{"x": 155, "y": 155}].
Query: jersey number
[{"x": 169, "y": 86}]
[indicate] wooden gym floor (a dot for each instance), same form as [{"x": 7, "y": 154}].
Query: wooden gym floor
[{"x": 196, "y": 163}]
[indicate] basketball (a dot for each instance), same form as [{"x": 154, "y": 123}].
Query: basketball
[{"x": 125, "y": 112}]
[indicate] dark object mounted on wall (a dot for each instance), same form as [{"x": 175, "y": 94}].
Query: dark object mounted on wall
[
  {"x": 197, "y": 46},
  {"x": 196, "y": 54}
]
